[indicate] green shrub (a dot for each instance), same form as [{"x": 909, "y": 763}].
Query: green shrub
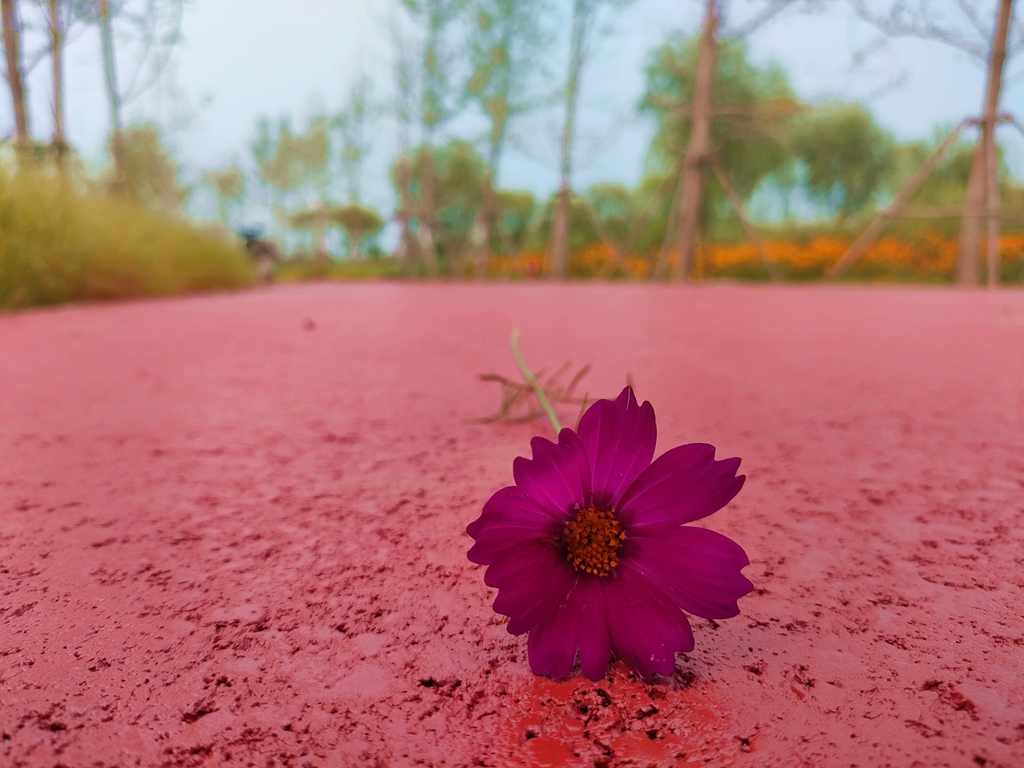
[{"x": 60, "y": 244}]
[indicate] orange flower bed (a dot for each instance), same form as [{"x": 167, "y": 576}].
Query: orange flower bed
[{"x": 930, "y": 256}]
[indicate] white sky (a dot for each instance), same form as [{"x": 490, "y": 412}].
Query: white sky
[{"x": 245, "y": 58}]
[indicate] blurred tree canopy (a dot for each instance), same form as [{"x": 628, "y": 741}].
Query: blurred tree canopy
[
  {"x": 466, "y": 70},
  {"x": 229, "y": 186},
  {"x": 752, "y": 110},
  {"x": 356, "y": 220},
  {"x": 459, "y": 175},
  {"x": 298, "y": 169},
  {"x": 505, "y": 44},
  {"x": 848, "y": 158},
  {"x": 352, "y": 124},
  {"x": 514, "y": 215},
  {"x": 290, "y": 161},
  {"x": 948, "y": 183},
  {"x": 148, "y": 175},
  {"x": 750, "y": 104},
  {"x": 836, "y": 153},
  {"x": 615, "y": 206},
  {"x": 433, "y": 72}
]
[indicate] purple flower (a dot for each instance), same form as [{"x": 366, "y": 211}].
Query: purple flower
[{"x": 588, "y": 550}]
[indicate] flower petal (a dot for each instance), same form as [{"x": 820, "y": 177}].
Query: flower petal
[
  {"x": 508, "y": 518},
  {"x": 620, "y": 437},
  {"x": 647, "y": 629},
  {"x": 580, "y": 622},
  {"x": 595, "y": 634},
  {"x": 698, "y": 569},
  {"x": 532, "y": 578},
  {"x": 550, "y": 651},
  {"x": 558, "y": 477},
  {"x": 682, "y": 485}
]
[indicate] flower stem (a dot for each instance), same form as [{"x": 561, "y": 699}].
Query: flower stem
[{"x": 538, "y": 390}]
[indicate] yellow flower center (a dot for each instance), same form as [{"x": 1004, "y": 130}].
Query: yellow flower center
[{"x": 593, "y": 538}]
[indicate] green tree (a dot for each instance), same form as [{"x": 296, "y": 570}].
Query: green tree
[
  {"x": 945, "y": 189},
  {"x": 358, "y": 222},
  {"x": 584, "y": 20},
  {"x": 614, "y": 206},
  {"x": 507, "y": 40},
  {"x": 964, "y": 26},
  {"x": 315, "y": 219},
  {"x": 229, "y": 186},
  {"x": 947, "y": 184},
  {"x": 291, "y": 162},
  {"x": 432, "y": 77},
  {"x": 352, "y": 123},
  {"x": 750, "y": 116},
  {"x": 514, "y": 213},
  {"x": 458, "y": 174},
  {"x": 749, "y": 134},
  {"x": 439, "y": 98},
  {"x": 848, "y": 158},
  {"x": 153, "y": 29}
]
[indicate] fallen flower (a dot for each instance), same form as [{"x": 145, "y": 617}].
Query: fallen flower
[{"x": 589, "y": 553}]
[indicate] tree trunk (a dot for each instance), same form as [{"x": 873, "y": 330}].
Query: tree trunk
[
  {"x": 60, "y": 144},
  {"x": 14, "y": 79},
  {"x": 697, "y": 151},
  {"x": 119, "y": 182},
  {"x": 427, "y": 242},
  {"x": 355, "y": 241},
  {"x": 483, "y": 229},
  {"x": 407, "y": 245},
  {"x": 970, "y": 224},
  {"x": 969, "y": 244},
  {"x": 558, "y": 247}
]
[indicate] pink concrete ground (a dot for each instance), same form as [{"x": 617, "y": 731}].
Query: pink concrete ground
[{"x": 232, "y": 528}]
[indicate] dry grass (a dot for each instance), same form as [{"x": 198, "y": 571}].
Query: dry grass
[{"x": 60, "y": 243}]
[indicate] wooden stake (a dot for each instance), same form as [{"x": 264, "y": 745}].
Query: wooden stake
[
  {"x": 696, "y": 152},
  {"x": 640, "y": 224},
  {"x": 558, "y": 247},
  {"x": 602, "y": 233},
  {"x": 737, "y": 206},
  {"x": 661, "y": 264},
  {"x": 874, "y": 229},
  {"x": 970, "y": 230}
]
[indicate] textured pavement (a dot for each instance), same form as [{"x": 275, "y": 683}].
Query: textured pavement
[{"x": 232, "y": 527}]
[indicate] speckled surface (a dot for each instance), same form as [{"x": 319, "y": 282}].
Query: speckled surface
[{"x": 232, "y": 528}]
